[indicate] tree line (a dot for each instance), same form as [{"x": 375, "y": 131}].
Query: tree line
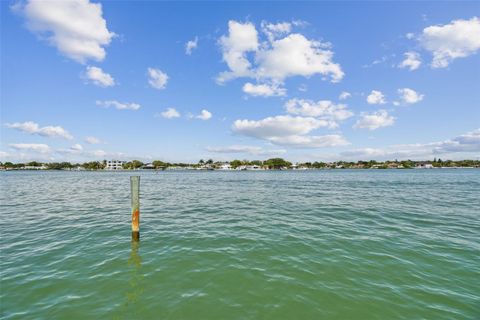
[{"x": 273, "y": 163}]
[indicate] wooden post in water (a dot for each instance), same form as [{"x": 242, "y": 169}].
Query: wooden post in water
[{"x": 135, "y": 193}]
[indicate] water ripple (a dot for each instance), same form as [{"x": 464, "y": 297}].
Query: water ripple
[{"x": 338, "y": 244}]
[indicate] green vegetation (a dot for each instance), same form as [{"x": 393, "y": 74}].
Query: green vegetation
[
  {"x": 134, "y": 164},
  {"x": 277, "y": 163},
  {"x": 272, "y": 164},
  {"x": 94, "y": 165}
]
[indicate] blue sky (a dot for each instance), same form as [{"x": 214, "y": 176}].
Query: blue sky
[{"x": 87, "y": 80}]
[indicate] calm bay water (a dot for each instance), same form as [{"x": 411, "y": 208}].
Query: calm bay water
[{"x": 339, "y": 244}]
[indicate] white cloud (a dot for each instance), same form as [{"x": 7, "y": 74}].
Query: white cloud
[
  {"x": 204, "y": 115},
  {"x": 278, "y": 126},
  {"x": 282, "y": 55},
  {"x": 246, "y": 149},
  {"x": 76, "y": 147},
  {"x": 75, "y": 153},
  {"x": 412, "y": 61},
  {"x": 409, "y": 96},
  {"x": 170, "y": 113},
  {"x": 98, "y": 77},
  {"x": 118, "y": 105},
  {"x": 35, "y": 147},
  {"x": 325, "y": 109},
  {"x": 344, "y": 95},
  {"x": 374, "y": 120},
  {"x": 263, "y": 90},
  {"x": 469, "y": 142},
  {"x": 295, "y": 55},
  {"x": 275, "y": 30},
  {"x": 376, "y": 97},
  {"x": 286, "y": 130},
  {"x": 48, "y": 131},
  {"x": 191, "y": 45},
  {"x": 459, "y": 147},
  {"x": 92, "y": 140},
  {"x": 157, "y": 79},
  {"x": 410, "y": 35},
  {"x": 458, "y": 39},
  {"x": 298, "y": 141},
  {"x": 242, "y": 38},
  {"x": 76, "y": 27}
]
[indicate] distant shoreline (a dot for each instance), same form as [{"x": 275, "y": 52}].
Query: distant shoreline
[
  {"x": 230, "y": 170},
  {"x": 239, "y": 165}
]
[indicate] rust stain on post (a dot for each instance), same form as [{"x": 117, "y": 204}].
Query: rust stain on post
[{"x": 135, "y": 193}]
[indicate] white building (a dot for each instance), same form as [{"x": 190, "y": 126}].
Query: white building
[
  {"x": 225, "y": 166},
  {"x": 424, "y": 166},
  {"x": 114, "y": 165}
]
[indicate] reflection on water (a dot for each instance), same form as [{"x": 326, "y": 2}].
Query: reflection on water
[{"x": 132, "y": 306}]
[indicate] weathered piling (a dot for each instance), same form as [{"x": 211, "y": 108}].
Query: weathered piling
[{"x": 135, "y": 193}]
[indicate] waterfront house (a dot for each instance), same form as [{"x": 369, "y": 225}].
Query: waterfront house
[
  {"x": 148, "y": 166},
  {"x": 224, "y": 166},
  {"x": 114, "y": 165},
  {"x": 42, "y": 167},
  {"x": 424, "y": 166}
]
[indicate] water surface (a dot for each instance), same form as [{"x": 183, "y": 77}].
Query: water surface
[{"x": 336, "y": 244}]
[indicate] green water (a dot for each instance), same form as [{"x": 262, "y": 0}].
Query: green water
[{"x": 338, "y": 244}]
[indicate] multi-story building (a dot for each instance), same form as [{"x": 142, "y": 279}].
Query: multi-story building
[{"x": 114, "y": 165}]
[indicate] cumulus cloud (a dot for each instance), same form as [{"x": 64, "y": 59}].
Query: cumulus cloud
[
  {"x": 242, "y": 38},
  {"x": 191, "y": 45},
  {"x": 278, "y": 126},
  {"x": 344, "y": 95},
  {"x": 458, "y": 39},
  {"x": 324, "y": 109},
  {"x": 287, "y": 130},
  {"x": 412, "y": 61},
  {"x": 98, "y": 77},
  {"x": 34, "y": 147},
  {"x": 157, "y": 79},
  {"x": 282, "y": 55},
  {"x": 409, "y": 96},
  {"x": 170, "y": 113},
  {"x": 253, "y": 150},
  {"x": 375, "y": 120},
  {"x": 263, "y": 90},
  {"x": 275, "y": 30},
  {"x": 204, "y": 115},
  {"x": 295, "y": 55},
  {"x": 92, "y": 140},
  {"x": 118, "y": 105},
  {"x": 76, "y": 27},
  {"x": 34, "y": 128},
  {"x": 376, "y": 97}
]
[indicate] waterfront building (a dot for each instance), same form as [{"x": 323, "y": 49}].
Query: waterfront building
[
  {"x": 148, "y": 166},
  {"x": 114, "y": 165},
  {"x": 424, "y": 166},
  {"x": 225, "y": 166}
]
